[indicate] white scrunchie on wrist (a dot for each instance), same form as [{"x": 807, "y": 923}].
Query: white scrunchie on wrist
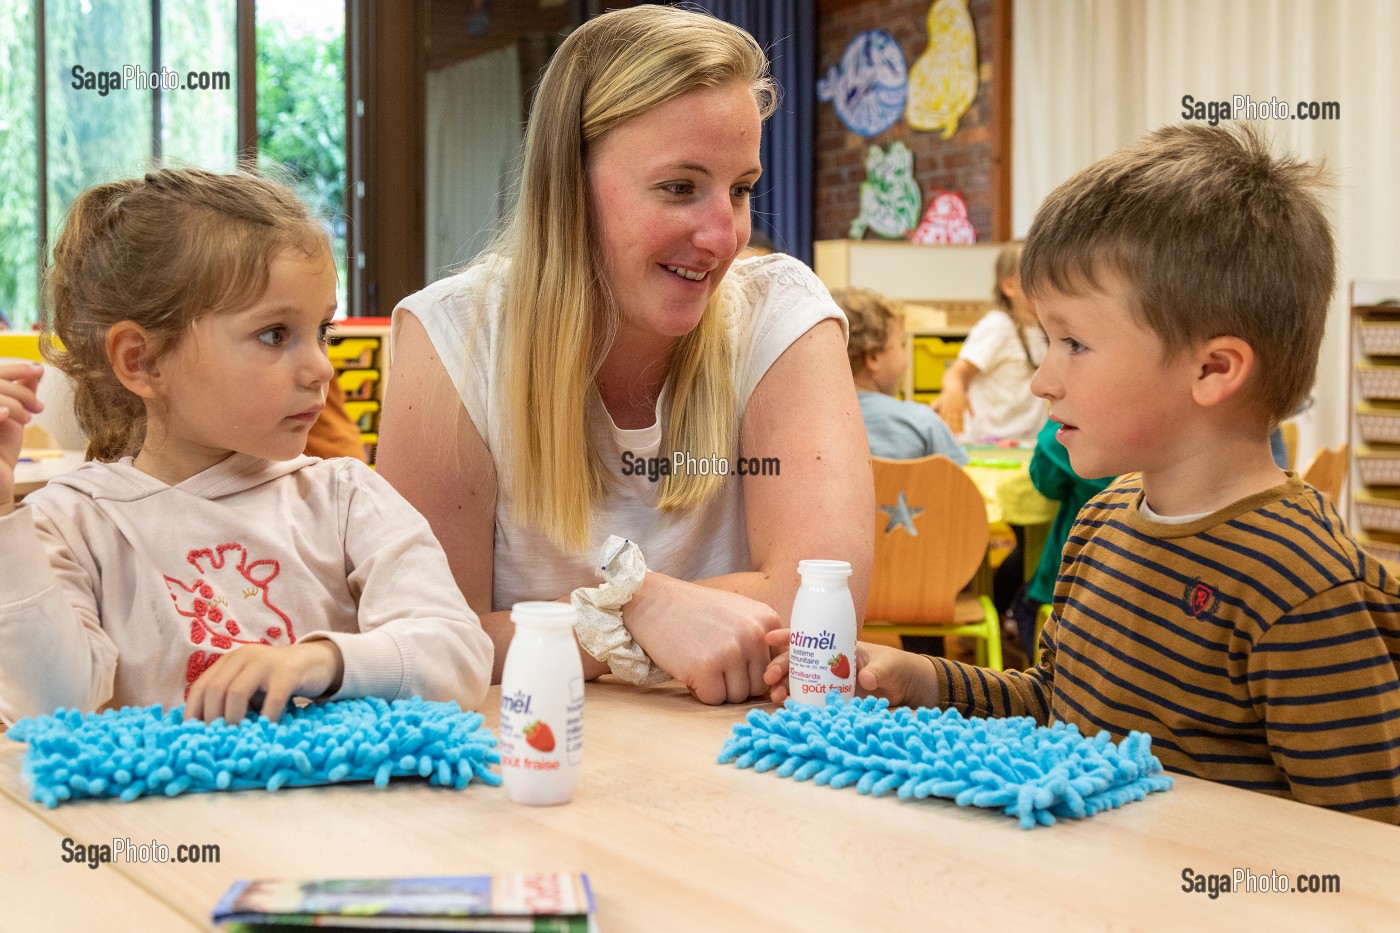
[{"x": 600, "y": 628}]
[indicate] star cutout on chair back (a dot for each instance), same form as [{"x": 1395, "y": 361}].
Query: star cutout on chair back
[{"x": 901, "y": 515}]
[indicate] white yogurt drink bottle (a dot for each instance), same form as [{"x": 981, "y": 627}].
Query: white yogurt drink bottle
[
  {"x": 541, "y": 733},
  {"x": 822, "y": 646}
]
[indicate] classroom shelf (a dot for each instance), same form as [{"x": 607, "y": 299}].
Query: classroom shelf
[
  {"x": 360, "y": 355},
  {"x": 1374, "y": 425}
]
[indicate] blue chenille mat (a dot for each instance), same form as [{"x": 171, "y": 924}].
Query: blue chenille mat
[
  {"x": 136, "y": 751},
  {"x": 1036, "y": 773}
]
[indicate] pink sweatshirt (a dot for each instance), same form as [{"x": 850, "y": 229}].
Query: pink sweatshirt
[{"x": 117, "y": 589}]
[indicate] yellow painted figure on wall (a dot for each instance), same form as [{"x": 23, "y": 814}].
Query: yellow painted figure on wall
[{"x": 943, "y": 82}]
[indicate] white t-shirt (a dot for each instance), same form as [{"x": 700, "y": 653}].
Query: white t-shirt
[
  {"x": 1003, "y": 407},
  {"x": 769, "y": 301}
]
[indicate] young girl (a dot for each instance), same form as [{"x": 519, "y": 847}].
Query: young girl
[
  {"x": 198, "y": 557},
  {"x": 986, "y": 394}
]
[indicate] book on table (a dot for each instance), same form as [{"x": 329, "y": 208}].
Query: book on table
[{"x": 547, "y": 902}]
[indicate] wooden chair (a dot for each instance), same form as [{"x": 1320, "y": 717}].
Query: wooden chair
[
  {"x": 930, "y": 539},
  {"x": 1290, "y": 443},
  {"x": 1042, "y": 616},
  {"x": 37, "y": 437},
  {"x": 1327, "y": 470}
]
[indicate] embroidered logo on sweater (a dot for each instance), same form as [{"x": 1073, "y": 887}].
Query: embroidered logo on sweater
[
  {"x": 227, "y": 604},
  {"x": 1200, "y": 599}
]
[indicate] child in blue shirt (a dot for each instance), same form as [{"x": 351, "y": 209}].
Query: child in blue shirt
[{"x": 898, "y": 430}]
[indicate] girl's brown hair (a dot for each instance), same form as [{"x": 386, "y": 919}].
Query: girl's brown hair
[
  {"x": 1008, "y": 266},
  {"x": 160, "y": 251}
]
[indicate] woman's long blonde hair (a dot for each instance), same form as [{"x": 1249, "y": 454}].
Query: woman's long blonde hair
[{"x": 559, "y": 318}]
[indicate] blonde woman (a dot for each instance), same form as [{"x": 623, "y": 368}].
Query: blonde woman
[{"x": 608, "y": 370}]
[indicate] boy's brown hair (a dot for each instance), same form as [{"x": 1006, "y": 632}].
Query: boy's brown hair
[
  {"x": 871, "y": 317},
  {"x": 1213, "y": 234}
]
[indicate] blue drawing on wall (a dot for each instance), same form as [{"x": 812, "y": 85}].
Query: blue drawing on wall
[{"x": 871, "y": 84}]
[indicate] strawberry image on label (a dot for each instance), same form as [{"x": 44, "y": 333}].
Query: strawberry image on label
[
  {"x": 840, "y": 666},
  {"x": 539, "y": 736}
]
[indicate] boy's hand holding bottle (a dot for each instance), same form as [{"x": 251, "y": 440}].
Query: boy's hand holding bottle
[
  {"x": 902, "y": 677},
  {"x": 18, "y": 406}
]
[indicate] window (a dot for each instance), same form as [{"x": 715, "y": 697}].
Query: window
[
  {"x": 92, "y": 90},
  {"x": 19, "y": 178},
  {"x": 301, "y": 107}
]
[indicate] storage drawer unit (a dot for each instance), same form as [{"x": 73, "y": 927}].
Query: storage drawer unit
[
  {"x": 1377, "y": 467},
  {"x": 1378, "y": 381},
  {"x": 359, "y": 384},
  {"x": 365, "y": 415},
  {"x": 360, "y": 355}
]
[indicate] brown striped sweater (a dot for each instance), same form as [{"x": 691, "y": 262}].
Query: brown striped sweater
[{"x": 1259, "y": 647}]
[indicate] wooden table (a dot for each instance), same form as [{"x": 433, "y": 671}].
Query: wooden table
[
  {"x": 674, "y": 841},
  {"x": 1003, "y": 477}
]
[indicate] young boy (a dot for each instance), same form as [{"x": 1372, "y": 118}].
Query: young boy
[
  {"x": 1208, "y": 598},
  {"x": 897, "y": 429}
]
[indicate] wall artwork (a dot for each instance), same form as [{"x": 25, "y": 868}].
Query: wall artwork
[
  {"x": 869, "y": 88},
  {"x": 945, "y": 222},
  {"x": 889, "y": 196},
  {"x": 943, "y": 81}
]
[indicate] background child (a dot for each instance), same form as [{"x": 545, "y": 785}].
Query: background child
[
  {"x": 986, "y": 393},
  {"x": 898, "y": 429},
  {"x": 1210, "y": 599},
  {"x": 193, "y": 310}
]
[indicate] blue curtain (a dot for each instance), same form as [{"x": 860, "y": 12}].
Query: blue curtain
[{"x": 783, "y": 204}]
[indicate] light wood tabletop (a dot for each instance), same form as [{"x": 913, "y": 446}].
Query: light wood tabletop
[{"x": 672, "y": 840}]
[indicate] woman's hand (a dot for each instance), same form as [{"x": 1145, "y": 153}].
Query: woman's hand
[
  {"x": 710, "y": 640},
  {"x": 18, "y": 406},
  {"x": 903, "y": 678},
  {"x": 277, "y": 673}
]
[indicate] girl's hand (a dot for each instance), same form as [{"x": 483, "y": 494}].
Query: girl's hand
[
  {"x": 18, "y": 406},
  {"x": 270, "y": 675},
  {"x": 953, "y": 407},
  {"x": 710, "y": 640},
  {"x": 903, "y": 678}
]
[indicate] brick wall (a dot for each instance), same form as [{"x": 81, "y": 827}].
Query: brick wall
[{"x": 963, "y": 164}]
